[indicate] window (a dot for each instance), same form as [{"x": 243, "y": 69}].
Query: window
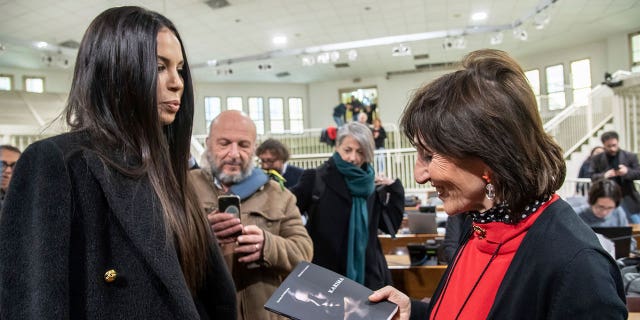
[
  {"x": 34, "y": 84},
  {"x": 256, "y": 113},
  {"x": 276, "y": 115},
  {"x": 635, "y": 52},
  {"x": 234, "y": 103},
  {"x": 6, "y": 82},
  {"x": 534, "y": 81},
  {"x": 212, "y": 108},
  {"x": 296, "y": 124},
  {"x": 581, "y": 81},
  {"x": 555, "y": 87}
]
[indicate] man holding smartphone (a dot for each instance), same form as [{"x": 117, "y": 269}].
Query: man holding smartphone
[
  {"x": 622, "y": 167},
  {"x": 267, "y": 240}
]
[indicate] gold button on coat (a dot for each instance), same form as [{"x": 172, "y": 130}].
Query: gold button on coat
[{"x": 110, "y": 275}]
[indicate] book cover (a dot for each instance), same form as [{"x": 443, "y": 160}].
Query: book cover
[{"x": 312, "y": 292}]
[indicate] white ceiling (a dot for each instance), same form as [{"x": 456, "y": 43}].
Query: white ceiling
[{"x": 243, "y": 30}]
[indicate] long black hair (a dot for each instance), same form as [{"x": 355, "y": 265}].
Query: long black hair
[{"x": 114, "y": 98}]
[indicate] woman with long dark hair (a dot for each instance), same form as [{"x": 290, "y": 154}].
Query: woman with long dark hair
[{"x": 102, "y": 222}]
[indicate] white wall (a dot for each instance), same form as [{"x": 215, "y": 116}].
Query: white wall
[{"x": 55, "y": 80}]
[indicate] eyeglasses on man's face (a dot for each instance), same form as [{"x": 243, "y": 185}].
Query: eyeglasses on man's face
[
  {"x": 267, "y": 160},
  {"x": 7, "y": 165}
]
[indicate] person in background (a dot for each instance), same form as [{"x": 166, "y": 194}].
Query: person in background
[
  {"x": 604, "y": 208},
  {"x": 272, "y": 239},
  {"x": 362, "y": 118},
  {"x": 9, "y": 156},
  {"x": 622, "y": 167},
  {"x": 583, "y": 188},
  {"x": 526, "y": 255},
  {"x": 345, "y": 217},
  {"x": 273, "y": 156},
  {"x": 370, "y": 112},
  {"x": 339, "y": 112},
  {"x": 102, "y": 222},
  {"x": 192, "y": 163},
  {"x": 379, "y": 137}
]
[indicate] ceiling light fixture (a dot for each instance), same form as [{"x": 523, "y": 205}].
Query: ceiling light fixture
[
  {"x": 496, "y": 38},
  {"x": 520, "y": 34},
  {"x": 479, "y": 16},
  {"x": 279, "y": 40},
  {"x": 352, "y": 54},
  {"x": 308, "y": 61},
  {"x": 400, "y": 51}
]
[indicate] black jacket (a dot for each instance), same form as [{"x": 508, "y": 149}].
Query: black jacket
[
  {"x": 292, "y": 175},
  {"x": 328, "y": 225},
  {"x": 68, "y": 218},
  {"x": 559, "y": 272}
]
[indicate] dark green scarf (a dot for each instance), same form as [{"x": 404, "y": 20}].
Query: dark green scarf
[{"x": 360, "y": 185}]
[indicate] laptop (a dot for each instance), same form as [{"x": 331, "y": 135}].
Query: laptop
[
  {"x": 621, "y": 237},
  {"x": 422, "y": 222}
]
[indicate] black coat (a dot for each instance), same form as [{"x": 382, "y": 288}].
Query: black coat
[
  {"x": 292, "y": 175},
  {"x": 600, "y": 164},
  {"x": 68, "y": 218},
  {"x": 560, "y": 271},
  {"x": 328, "y": 225}
]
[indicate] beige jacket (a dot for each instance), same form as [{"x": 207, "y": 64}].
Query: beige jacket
[{"x": 286, "y": 242}]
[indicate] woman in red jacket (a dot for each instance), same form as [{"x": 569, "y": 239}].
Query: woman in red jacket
[{"x": 527, "y": 255}]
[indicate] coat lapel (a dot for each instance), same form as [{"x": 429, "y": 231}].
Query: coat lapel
[{"x": 135, "y": 206}]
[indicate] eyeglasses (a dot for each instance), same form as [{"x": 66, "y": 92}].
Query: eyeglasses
[
  {"x": 600, "y": 208},
  {"x": 267, "y": 161},
  {"x": 6, "y": 165}
]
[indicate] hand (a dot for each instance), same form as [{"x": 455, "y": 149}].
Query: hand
[
  {"x": 381, "y": 179},
  {"x": 622, "y": 170},
  {"x": 225, "y": 226},
  {"x": 250, "y": 244},
  {"x": 610, "y": 173},
  {"x": 394, "y": 295}
]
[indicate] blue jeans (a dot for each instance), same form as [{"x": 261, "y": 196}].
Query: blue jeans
[{"x": 339, "y": 121}]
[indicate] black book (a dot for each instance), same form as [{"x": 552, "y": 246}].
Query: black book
[{"x": 312, "y": 292}]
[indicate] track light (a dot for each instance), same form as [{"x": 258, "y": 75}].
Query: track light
[
  {"x": 400, "y": 50},
  {"x": 520, "y": 34},
  {"x": 497, "y": 38}
]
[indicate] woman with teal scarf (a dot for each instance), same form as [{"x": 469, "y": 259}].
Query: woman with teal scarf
[{"x": 344, "y": 217}]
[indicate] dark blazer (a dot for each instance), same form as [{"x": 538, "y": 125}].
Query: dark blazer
[
  {"x": 68, "y": 218},
  {"x": 599, "y": 165},
  {"x": 292, "y": 175},
  {"x": 559, "y": 272},
  {"x": 328, "y": 225}
]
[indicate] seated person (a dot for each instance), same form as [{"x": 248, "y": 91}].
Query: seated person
[{"x": 603, "y": 209}]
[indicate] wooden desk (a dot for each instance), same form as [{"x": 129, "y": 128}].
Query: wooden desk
[
  {"x": 389, "y": 244},
  {"x": 416, "y": 282}
]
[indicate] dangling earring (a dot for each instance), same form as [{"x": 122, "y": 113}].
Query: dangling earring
[{"x": 490, "y": 190}]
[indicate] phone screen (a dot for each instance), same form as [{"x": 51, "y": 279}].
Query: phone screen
[{"x": 229, "y": 204}]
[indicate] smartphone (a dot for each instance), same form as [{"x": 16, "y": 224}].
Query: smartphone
[{"x": 230, "y": 204}]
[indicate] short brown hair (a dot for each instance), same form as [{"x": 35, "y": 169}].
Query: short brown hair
[
  {"x": 274, "y": 146},
  {"x": 488, "y": 111}
]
